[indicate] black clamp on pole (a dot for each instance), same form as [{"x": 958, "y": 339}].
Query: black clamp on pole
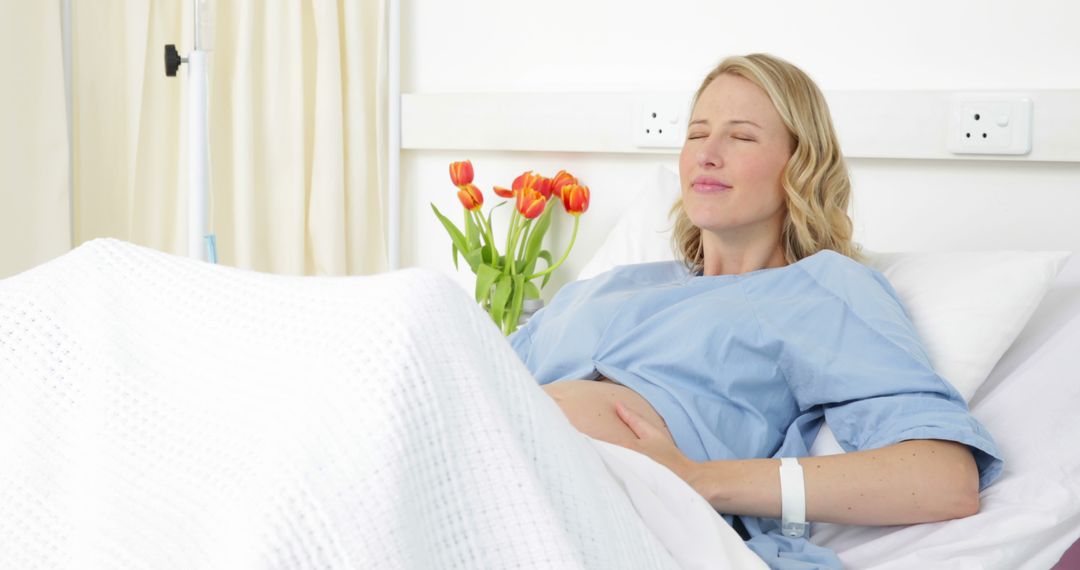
[{"x": 172, "y": 60}]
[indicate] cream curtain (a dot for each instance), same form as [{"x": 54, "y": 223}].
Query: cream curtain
[
  {"x": 128, "y": 127},
  {"x": 297, "y": 130},
  {"x": 34, "y": 205}
]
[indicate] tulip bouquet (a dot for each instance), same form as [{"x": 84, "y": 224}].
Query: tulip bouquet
[{"x": 505, "y": 280}]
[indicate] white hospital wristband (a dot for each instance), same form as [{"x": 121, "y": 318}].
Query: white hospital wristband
[{"x": 792, "y": 498}]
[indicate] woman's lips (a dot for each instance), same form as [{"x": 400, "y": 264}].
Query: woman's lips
[{"x": 708, "y": 186}]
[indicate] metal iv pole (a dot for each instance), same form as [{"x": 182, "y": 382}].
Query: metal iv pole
[{"x": 201, "y": 242}]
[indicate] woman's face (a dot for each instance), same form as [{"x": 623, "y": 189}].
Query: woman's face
[{"x": 736, "y": 148}]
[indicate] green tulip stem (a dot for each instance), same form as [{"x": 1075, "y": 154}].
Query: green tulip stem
[
  {"x": 510, "y": 235},
  {"x": 524, "y": 239},
  {"x": 573, "y": 236},
  {"x": 511, "y": 259},
  {"x": 486, "y": 228}
]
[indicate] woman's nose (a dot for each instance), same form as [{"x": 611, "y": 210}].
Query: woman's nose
[{"x": 709, "y": 153}]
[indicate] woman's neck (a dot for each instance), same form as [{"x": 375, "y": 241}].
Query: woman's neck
[{"x": 725, "y": 258}]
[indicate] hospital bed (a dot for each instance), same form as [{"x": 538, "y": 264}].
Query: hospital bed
[
  {"x": 162, "y": 412},
  {"x": 142, "y": 412}
]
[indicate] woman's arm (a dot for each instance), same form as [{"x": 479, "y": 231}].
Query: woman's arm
[{"x": 909, "y": 482}]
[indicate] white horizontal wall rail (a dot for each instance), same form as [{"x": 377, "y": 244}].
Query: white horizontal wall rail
[{"x": 871, "y": 124}]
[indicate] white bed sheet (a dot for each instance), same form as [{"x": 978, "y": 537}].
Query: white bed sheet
[{"x": 158, "y": 412}]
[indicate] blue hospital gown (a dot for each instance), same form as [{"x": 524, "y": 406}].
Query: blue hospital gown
[{"x": 745, "y": 366}]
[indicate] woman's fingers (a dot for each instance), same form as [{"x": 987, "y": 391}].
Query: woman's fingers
[
  {"x": 636, "y": 423},
  {"x": 661, "y": 449}
]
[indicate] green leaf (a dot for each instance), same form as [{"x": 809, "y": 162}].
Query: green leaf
[
  {"x": 485, "y": 278},
  {"x": 501, "y": 296},
  {"x": 474, "y": 257},
  {"x": 515, "y": 303},
  {"x": 472, "y": 232},
  {"x": 531, "y": 290},
  {"x": 529, "y": 269},
  {"x": 486, "y": 243},
  {"x": 490, "y": 212},
  {"x": 460, "y": 244},
  {"x": 546, "y": 256},
  {"x": 536, "y": 236}
]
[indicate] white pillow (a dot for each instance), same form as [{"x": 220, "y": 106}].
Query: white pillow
[
  {"x": 643, "y": 232},
  {"x": 967, "y": 307}
]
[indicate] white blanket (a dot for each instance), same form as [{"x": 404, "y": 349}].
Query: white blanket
[{"x": 157, "y": 412}]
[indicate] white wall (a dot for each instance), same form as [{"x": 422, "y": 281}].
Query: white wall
[{"x": 564, "y": 45}]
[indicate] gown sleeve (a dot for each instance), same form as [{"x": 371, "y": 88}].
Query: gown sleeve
[{"x": 850, "y": 347}]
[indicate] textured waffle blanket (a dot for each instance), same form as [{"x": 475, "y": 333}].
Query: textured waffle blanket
[{"x": 159, "y": 412}]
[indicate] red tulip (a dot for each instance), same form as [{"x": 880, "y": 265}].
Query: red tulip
[
  {"x": 533, "y": 180},
  {"x": 530, "y": 202},
  {"x": 562, "y": 180},
  {"x": 504, "y": 192},
  {"x": 470, "y": 197},
  {"x": 526, "y": 180},
  {"x": 543, "y": 186},
  {"x": 575, "y": 199},
  {"x": 461, "y": 173}
]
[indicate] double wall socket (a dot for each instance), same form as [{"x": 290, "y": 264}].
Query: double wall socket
[
  {"x": 660, "y": 121},
  {"x": 990, "y": 124}
]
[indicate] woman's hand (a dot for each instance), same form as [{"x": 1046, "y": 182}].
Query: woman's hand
[
  {"x": 910, "y": 482},
  {"x": 661, "y": 448}
]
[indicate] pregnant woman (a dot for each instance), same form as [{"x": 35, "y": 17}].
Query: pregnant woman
[{"x": 723, "y": 365}]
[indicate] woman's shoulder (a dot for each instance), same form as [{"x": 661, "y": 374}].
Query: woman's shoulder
[
  {"x": 849, "y": 281},
  {"x": 834, "y": 266},
  {"x": 823, "y": 278}
]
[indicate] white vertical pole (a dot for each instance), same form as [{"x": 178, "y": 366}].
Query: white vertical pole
[
  {"x": 394, "y": 127},
  {"x": 198, "y": 148},
  {"x": 198, "y": 182}
]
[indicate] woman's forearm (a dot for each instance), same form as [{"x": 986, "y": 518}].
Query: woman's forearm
[{"x": 910, "y": 482}]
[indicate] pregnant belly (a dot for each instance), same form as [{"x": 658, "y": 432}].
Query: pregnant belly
[{"x": 590, "y": 407}]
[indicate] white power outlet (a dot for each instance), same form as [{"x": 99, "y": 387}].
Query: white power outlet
[
  {"x": 990, "y": 124},
  {"x": 660, "y": 121}
]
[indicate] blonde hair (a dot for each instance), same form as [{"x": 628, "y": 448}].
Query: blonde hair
[{"x": 815, "y": 180}]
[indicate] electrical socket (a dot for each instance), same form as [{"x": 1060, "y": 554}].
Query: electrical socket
[
  {"x": 660, "y": 121},
  {"x": 991, "y": 123}
]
